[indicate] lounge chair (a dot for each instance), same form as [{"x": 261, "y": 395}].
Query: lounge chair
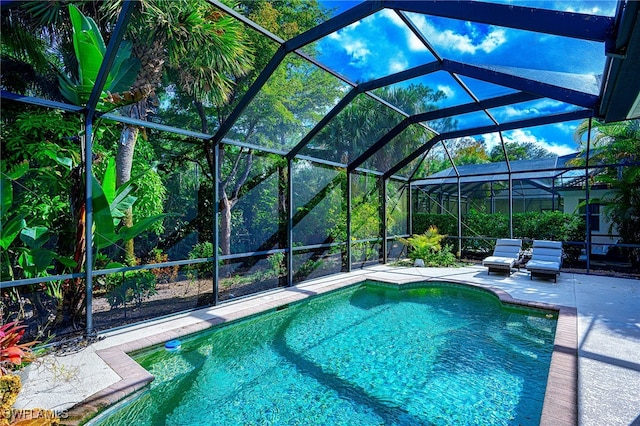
[
  {"x": 546, "y": 259},
  {"x": 505, "y": 255}
]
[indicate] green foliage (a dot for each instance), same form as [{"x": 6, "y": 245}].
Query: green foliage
[
  {"x": 422, "y": 244},
  {"x": 131, "y": 286},
  {"x": 28, "y": 254},
  {"x": 308, "y": 267},
  {"x": 428, "y": 247},
  {"x": 447, "y": 224},
  {"x": 89, "y": 48},
  {"x": 365, "y": 252},
  {"x": 443, "y": 257},
  {"x": 109, "y": 206},
  {"x": 277, "y": 267},
  {"x": 481, "y": 224},
  {"x": 468, "y": 151},
  {"x": 352, "y": 131},
  {"x": 42, "y": 141},
  {"x": 150, "y": 188},
  {"x": 519, "y": 151},
  {"x": 202, "y": 250},
  {"x": 549, "y": 225},
  {"x": 617, "y": 143}
]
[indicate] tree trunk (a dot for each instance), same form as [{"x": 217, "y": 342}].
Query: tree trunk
[
  {"x": 225, "y": 223},
  {"x": 124, "y": 164}
]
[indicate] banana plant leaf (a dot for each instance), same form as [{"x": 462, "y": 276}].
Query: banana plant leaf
[
  {"x": 35, "y": 236},
  {"x": 89, "y": 48}
]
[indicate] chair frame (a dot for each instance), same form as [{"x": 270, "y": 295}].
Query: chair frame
[
  {"x": 545, "y": 246},
  {"x": 496, "y": 262}
]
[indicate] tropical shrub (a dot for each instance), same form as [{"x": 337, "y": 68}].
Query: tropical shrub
[
  {"x": 428, "y": 247},
  {"x": 132, "y": 286},
  {"x": 548, "y": 225},
  {"x": 166, "y": 274},
  {"x": 202, "y": 250},
  {"x": 277, "y": 266}
]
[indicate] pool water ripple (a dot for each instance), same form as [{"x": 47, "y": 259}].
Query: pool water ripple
[{"x": 366, "y": 355}]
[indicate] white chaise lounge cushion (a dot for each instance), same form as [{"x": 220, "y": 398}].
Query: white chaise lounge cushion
[
  {"x": 543, "y": 266},
  {"x": 498, "y": 261}
]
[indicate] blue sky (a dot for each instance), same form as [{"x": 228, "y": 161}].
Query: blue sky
[{"x": 382, "y": 44}]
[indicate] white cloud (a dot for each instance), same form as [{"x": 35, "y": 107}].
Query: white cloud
[
  {"x": 544, "y": 106},
  {"x": 356, "y": 49},
  {"x": 392, "y": 16},
  {"x": 565, "y": 128},
  {"x": 451, "y": 40},
  {"x": 491, "y": 140},
  {"x": 447, "y": 90},
  {"x": 353, "y": 45},
  {"x": 413, "y": 42},
  {"x": 525, "y": 136},
  {"x": 557, "y": 148},
  {"x": 397, "y": 64}
]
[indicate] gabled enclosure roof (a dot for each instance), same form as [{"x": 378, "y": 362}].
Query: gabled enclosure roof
[
  {"x": 595, "y": 56},
  {"x": 549, "y": 175}
]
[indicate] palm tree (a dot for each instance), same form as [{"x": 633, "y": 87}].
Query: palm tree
[
  {"x": 195, "y": 43},
  {"x": 618, "y": 143},
  {"x": 364, "y": 121}
]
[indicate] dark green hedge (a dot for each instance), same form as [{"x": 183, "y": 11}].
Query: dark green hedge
[
  {"x": 546, "y": 225},
  {"x": 447, "y": 225}
]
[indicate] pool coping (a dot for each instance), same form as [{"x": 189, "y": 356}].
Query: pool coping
[{"x": 560, "y": 406}]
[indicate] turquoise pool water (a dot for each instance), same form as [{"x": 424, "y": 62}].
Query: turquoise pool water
[{"x": 366, "y": 355}]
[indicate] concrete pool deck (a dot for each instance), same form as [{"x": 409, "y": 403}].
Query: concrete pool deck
[{"x": 606, "y": 332}]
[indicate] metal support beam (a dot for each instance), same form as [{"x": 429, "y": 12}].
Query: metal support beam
[
  {"x": 384, "y": 220},
  {"x": 216, "y": 221},
  {"x": 398, "y": 77},
  {"x": 251, "y": 93},
  {"x": 559, "y": 93},
  {"x": 555, "y": 22},
  {"x": 88, "y": 222},
  {"x": 334, "y": 24},
  {"x": 4, "y": 95},
  {"x": 94, "y": 98},
  {"x": 349, "y": 193},
  {"x": 380, "y": 143},
  {"x": 538, "y": 121},
  {"x": 586, "y": 197},
  {"x": 110, "y": 54},
  {"x": 496, "y": 102},
  {"x": 240, "y": 17},
  {"x": 409, "y": 209},
  {"x": 415, "y": 154},
  {"x": 325, "y": 120},
  {"x": 459, "y": 218},
  {"x": 510, "y": 206},
  {"x": 289, "y": 222}
]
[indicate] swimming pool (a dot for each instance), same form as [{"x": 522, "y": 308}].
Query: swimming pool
[{"x": 368, "y": 355}]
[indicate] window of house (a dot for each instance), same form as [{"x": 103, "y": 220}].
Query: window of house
[{"x": 594, "y": 209}]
